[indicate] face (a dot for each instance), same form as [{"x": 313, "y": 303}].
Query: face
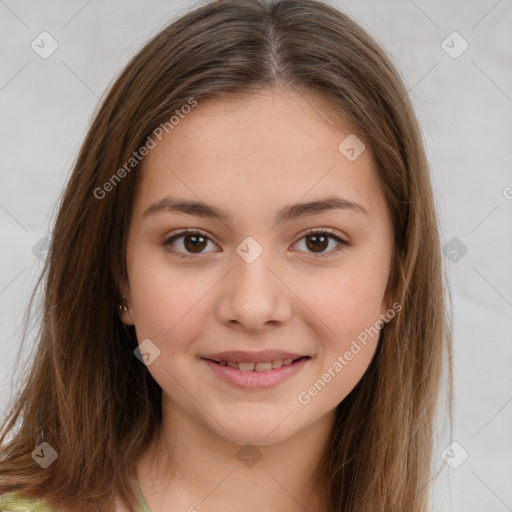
[{"x": 309, "y": 282}]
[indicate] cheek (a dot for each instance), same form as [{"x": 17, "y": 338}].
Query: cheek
[
  {"x": 166, "y": 299},
  {"x": 350, "y": 307},
  {"x": 348, "y": 300}
]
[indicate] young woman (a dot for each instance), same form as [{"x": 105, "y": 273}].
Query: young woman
[{"x": 244, "y": 297}]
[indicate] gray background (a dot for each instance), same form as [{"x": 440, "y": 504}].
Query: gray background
[{"x": 465, "y": 108}]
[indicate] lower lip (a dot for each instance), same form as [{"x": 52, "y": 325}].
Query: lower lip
[{"x": 254, "y": 379}]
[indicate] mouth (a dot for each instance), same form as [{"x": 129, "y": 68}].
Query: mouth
[
  {"x": 261, "y": 375},
  {"x": 258, "y": 367}
]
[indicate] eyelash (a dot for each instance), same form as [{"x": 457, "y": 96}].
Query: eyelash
[{"x": 342, "y": 244}]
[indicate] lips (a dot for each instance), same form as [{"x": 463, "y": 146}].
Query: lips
[{"x": 261, "y": 377}]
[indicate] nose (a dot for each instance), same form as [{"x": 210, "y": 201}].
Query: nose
[{"x": 253, "y": 296}]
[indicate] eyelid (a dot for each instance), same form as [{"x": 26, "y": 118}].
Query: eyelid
[
  {"x": 192, "y": 231},
  {"x": 331, "y": 231}
]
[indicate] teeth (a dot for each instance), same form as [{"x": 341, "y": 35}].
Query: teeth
[
  {"x": 263, "y": 367},
  {"x": 259, "y": 367}
]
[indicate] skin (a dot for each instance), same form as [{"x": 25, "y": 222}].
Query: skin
[{"x": 252, "y": 157}]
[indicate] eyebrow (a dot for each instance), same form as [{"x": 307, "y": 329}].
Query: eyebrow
[{"x": 201, "y": 209}]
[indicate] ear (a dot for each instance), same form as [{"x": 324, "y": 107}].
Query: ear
[{"x": 124, "y": 288}]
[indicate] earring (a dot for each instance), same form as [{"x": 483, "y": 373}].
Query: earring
[{"x": 122, "y": 309}]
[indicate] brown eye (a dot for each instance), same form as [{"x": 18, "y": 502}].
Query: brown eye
[
  {"x": 187, "y": 242},
  {"x": 194, "y": 242},
  {"x": 317, "y": 242}
]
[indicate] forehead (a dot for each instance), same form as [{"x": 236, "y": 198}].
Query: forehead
[
  {"x": 281, "y": 122},
  {"x": 277, "y": 146}
]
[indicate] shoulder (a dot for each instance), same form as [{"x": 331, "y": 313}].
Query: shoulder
[{"x": 15, "y": 502}]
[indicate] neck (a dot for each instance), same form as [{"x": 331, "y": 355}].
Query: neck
[{"x": 189, "y": 465}]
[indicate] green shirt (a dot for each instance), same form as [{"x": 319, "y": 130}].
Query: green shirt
[{"x": 14, "y": 502}]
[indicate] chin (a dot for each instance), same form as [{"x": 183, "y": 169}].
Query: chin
[{"x": 255, "y": 433}]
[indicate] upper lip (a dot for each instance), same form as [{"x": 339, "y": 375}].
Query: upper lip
[{"x": 264, "y": 356}]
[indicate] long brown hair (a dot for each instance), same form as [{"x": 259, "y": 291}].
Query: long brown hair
[{"x": 86, "y": 393}]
